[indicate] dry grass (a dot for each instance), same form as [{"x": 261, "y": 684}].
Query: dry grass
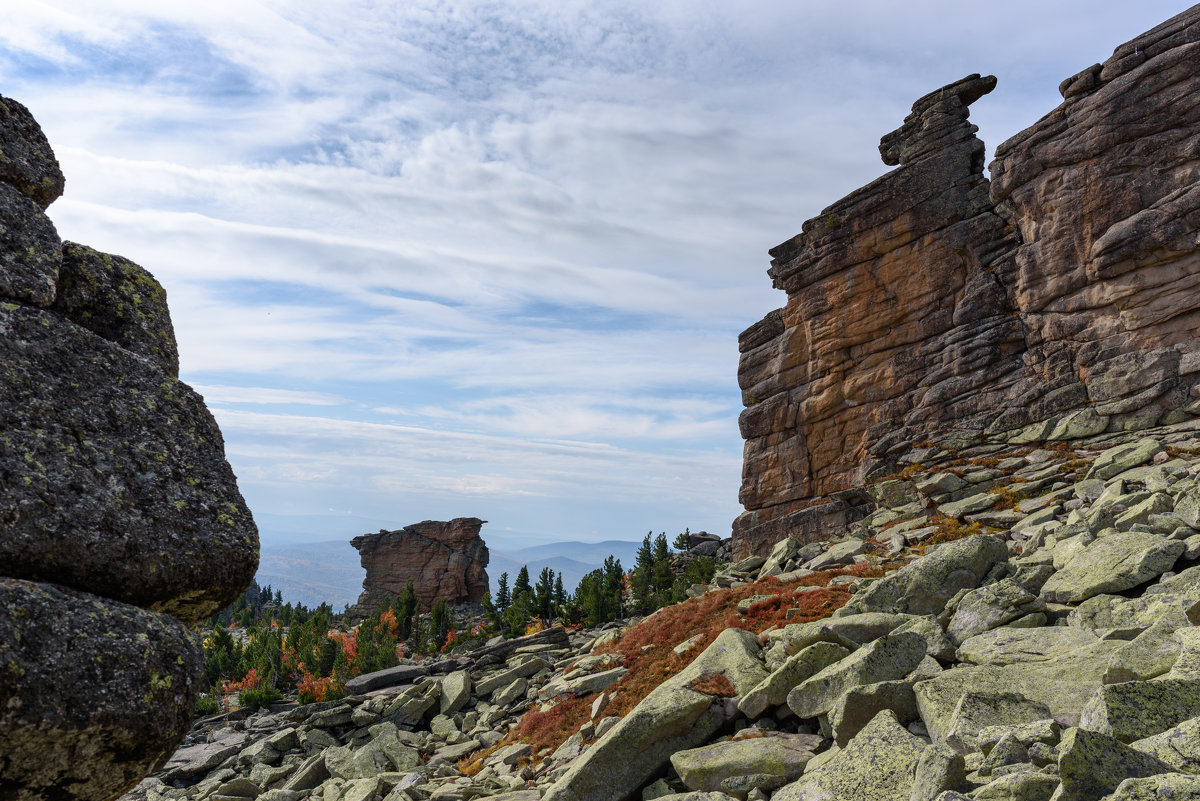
[
  {"x": 949, "y": 530},
  {"x": 717, "y": 684}
]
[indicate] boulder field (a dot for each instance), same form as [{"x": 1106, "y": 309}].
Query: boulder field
[
  {"x": 120, "y": 519},
  {"x": 1014, "y": 624},
  {"x": 1056, "y": 300}
]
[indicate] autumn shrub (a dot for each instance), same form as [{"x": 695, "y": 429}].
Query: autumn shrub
[
  {"x": 312, "y": 689},
  {"x": 950, "y": 529}
]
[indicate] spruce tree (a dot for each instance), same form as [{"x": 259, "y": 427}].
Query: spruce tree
[
  {"x": 503, "y": 599},
  {"x": 544, "y": 595},
  {"x": 521, "y": 586}
]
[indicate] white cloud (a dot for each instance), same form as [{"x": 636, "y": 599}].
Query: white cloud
[
  {"x": 264, "y": 395},
  {"x": 530, "y": 231}
]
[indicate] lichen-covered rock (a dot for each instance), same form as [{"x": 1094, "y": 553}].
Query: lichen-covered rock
[
  {"x": 1134, "y": 710},
  {"x": 1091, "y": 765},
  {"x": 673, "y": 717},
  {"x": 1008, "y": 646},
  {"x": 1169, "y": 599},
  {"x": 877, "y": 765},
  {"x": 118, "y": 300},
  {"x": 115, "y": 488},
  {"x": 113, "y": 474},
  {"x": 30, "y": 250},
  {"x": 739, "y": 766},
  {"x": 1178, "y": 746},
  {"x": 1112, "y": 563},
  {"x": 442, "y": 559},
  {"x": 26, "y": 160},
  {"x": 773, "y": 690},
  {"x": 1173, "y": 786},
  {"x": 1063, "y": 685},
  {"x": 924, "y": 587},
  {"x": 94, "y": 694},
  {"x": 889, "y": 657}
]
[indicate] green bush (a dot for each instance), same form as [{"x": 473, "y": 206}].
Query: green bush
[
  {"x": 262, "y": 697},
  {"x": 207, "y": 705}
]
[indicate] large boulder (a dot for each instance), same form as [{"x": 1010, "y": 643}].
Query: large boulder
[
  {"x": 442, "y": 559},
  {"x": 26, "y": 161},
  {"x": 1112, "y": 563},
  {"x": 114, "y": 475},
  {"x": 879, "y": 764},
  {"x": 924, "y": 586},
  {"x": 673, "y": 717},
  {"x": 94, "y": 693},
  {"x": 119, "y": 516}
]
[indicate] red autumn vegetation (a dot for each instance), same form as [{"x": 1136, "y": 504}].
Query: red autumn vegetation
[
  {"x": 717, "y": 684},
  {"x": 648, "y": 648}
]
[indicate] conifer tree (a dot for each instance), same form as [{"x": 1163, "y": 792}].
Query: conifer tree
[
  {"x": 560, "y": 594},
  {"x": 544, "y": 595},
  {"x": 521, "y": 586},
  {"x": 503, "y": 599}
]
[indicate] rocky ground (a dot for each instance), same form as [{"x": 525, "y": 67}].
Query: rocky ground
[{"x": 1038, "y": 643}]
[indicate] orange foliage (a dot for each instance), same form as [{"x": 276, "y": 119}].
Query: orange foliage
[
  {"x": 318, "y": 689},
  {"x": 248, "y": 682},
  {"x": 535, "y": 626},
  {"x": 388, "y": 619}
]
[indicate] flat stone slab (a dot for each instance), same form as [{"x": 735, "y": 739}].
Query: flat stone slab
[
  {"x": 1008, "y": 646},
  {"x": 390, "y": 677},
  {"x": 1112, "y": 563}
]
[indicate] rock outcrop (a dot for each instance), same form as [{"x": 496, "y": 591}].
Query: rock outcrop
[
  {"x": 120, "y": 520},
  {"x": 1059, "y": 300},
  {"x": 442, "y": 559}
]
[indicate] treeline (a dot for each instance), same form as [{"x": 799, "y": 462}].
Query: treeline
[
  {"x": 285, "y": 647},
  {"x": 604, "y": 594},
  {"x": 277, "y": 647}
]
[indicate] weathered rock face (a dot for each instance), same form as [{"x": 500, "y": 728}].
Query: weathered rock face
[
  {"x": 118, "y": 511},
  {"x": 1059, "y": 300},
  {"x": 442, "y": 559}
]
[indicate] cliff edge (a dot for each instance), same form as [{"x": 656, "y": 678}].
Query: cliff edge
[{"x": 1058, "y": 300}]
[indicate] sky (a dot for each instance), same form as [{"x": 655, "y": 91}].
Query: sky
[{"x": 446, "y": 259}]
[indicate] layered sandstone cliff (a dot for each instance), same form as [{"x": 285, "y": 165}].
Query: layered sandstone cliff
[
  {"x": 1058, "y": 300},
  {"x": 442, "y": 559},
  {"x": 120, "y": 519}
]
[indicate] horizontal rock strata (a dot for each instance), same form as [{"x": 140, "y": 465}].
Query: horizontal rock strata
[
  {"x": 442, "y": 559},
  {"x": 1059, "y": 300}
]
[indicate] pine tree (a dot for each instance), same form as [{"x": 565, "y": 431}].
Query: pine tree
[
  {"x": 614, "y": 585},
  {"x": 503, "y": 599},
  {"x": 683, "y": 541},
  {"x": 643, "y": 574},
  {"x": 439, "y": 622},
  {"x": 521, "y": 586},
  {"x": 405, "y": 606},
  {"x": 560, "y": 594},
  {"x": 544, "y": 595},
  {"x": 663, "y": 575}
]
